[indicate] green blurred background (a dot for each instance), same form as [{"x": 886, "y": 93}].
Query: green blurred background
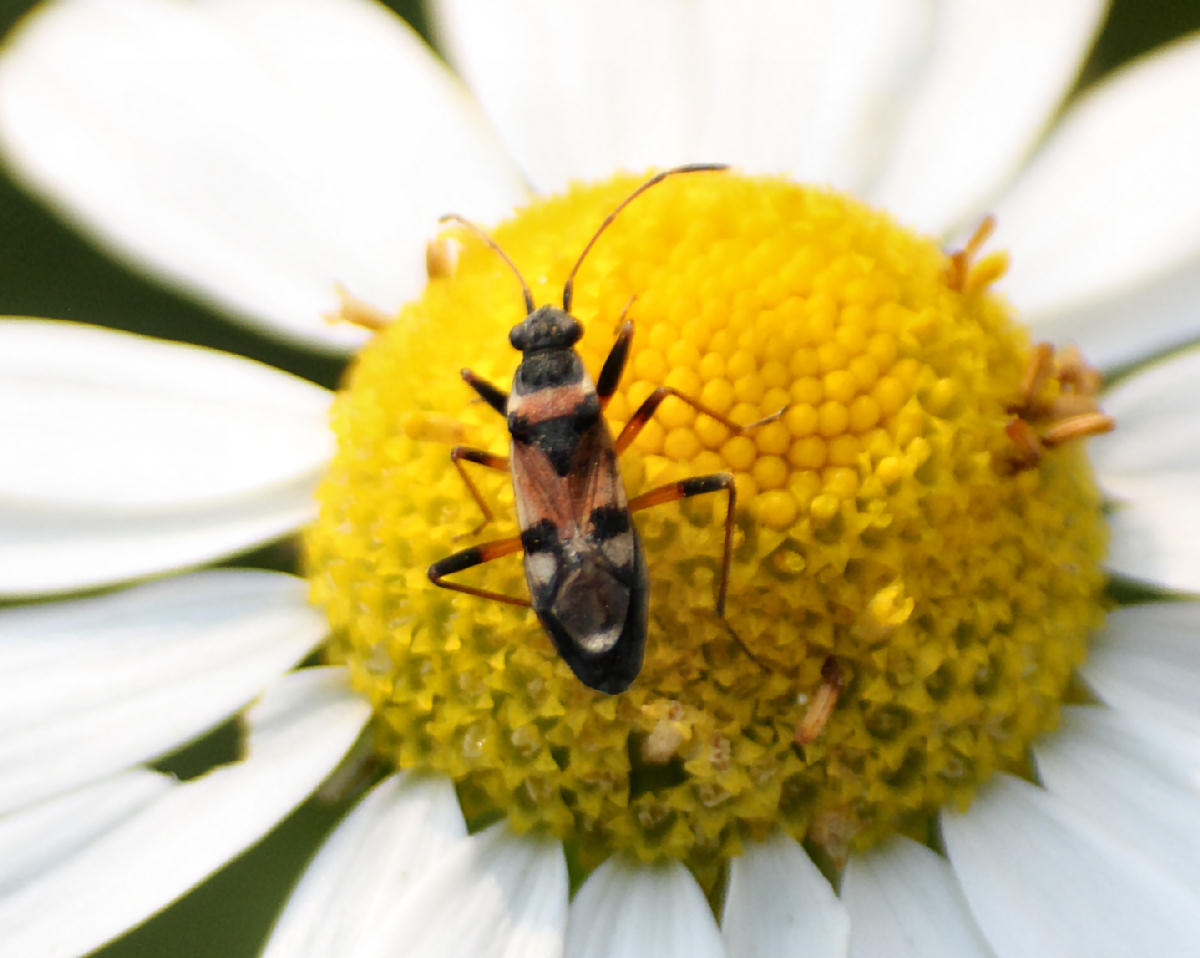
[{"x": 47, "y": 270}]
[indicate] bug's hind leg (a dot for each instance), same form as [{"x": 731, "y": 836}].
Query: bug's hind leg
[
  {"x": 698, "y": 486},
  {"x": 468, "y": 559}
]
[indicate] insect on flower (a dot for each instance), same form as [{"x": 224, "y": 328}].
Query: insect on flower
[{"x": 584, "y": 562}]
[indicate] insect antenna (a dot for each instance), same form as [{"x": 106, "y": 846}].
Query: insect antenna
[
  {"x": 495, "y": 248},
  {"x": 569, "y": 286}
]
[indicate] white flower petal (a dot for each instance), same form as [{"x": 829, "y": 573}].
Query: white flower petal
[
  {"x": 37, "y": 839},
  {"x": 49, "y": 551},
  {"x": 1127, "y": 325},
  {"x": 991, "y": 85},
  {"x": 1042, "y": 880},
  {"x": 100, "y": 420},
  {"x": 903, "y": 902},
  {"x": 252, "y": 152},
  {"x": 1110, "y": 202},
  {"x": 626, "y": 909},
  {"x": 393, "y": 838},
  {"x": 92, "y": 686},
  {"x": 841, "y": 88},
  {"x": 1155, "y": 448},
  {"x": 1130, "y": 783},
  {"x": 797, "y": 86},
  {"x": 297, "y": 733},
  {"x": 1146, "y": 662},
  {"x": 779, "y": 903},
  {"x": 494, "y": 894},
  {"x": 1157, "y": 540}
]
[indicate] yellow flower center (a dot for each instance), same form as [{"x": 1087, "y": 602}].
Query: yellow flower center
[{"x": 898, "y": 530}]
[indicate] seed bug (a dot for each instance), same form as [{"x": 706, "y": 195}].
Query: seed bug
[{"x": 584, "y": 563}]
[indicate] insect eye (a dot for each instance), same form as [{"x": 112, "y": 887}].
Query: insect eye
[{"x": 516, "y": 336}]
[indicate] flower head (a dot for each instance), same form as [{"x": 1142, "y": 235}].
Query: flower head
[{"x": 882, "y": 521}]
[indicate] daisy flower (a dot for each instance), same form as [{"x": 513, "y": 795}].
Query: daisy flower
[{"x": 929, "y": 736}]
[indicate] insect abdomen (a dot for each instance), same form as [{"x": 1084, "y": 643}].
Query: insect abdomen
[{"x": 596, "y": 617}]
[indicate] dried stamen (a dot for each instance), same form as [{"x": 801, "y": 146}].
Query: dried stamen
[
  {"x": 357, "y": 312},
  {"x": 1071, "y": 411},
  {"x": 966, "y": 275},
  {"x": 820, "y": 707}
]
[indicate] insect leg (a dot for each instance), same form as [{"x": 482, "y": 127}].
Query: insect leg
[
  {"x": 614, "y": 365},
  {"x": 698, "y": 486},
  {"x": 492, "y": 395},
  {"x": 643, "y": 413},
  {"x": 469, "y": 558},
  {"x": 461, "y": 454}
]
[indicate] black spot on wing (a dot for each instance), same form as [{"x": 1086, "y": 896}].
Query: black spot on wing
[
  {"x": 542, "y": 536},
  {"x": 608, "y": 522}
]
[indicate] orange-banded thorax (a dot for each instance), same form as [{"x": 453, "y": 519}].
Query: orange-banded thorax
[{"x": 583, "y": 562}]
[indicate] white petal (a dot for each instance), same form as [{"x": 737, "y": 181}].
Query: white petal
[
  {"x": 1129, "y": 783},
  {"x": 298, "y": 732},
  {"x": 1127, "y": 325},
  {"x": 1146, "y": 662},
  {"x": 783, "y": 86},
  {"x": 391, "y": 841},
  {"x": 95, "y": 685},
  {"x": 46, "y": 551},
  {"x": 100, "y": 420},
  {"x": 1110, "y": 202},
  {"x": 1042, "y": 880},
  {"x": 37, "y": 839},
  {"x": 1156, "y": 540},
  {"x": 903, "y": 902},
  {"x": 991, "y": 85},
  {"x": 779, "y": 903},
  {"x": 626, "y": 908},
  {"x": 839, "y": 73},
  {"x": 1155, "y": 448},
  {"x": 252, "y": 152},
  {"x": 493, "y": 894}
]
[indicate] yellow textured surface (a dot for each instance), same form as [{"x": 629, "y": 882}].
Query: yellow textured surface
[{"x": 876, "y": 523}]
